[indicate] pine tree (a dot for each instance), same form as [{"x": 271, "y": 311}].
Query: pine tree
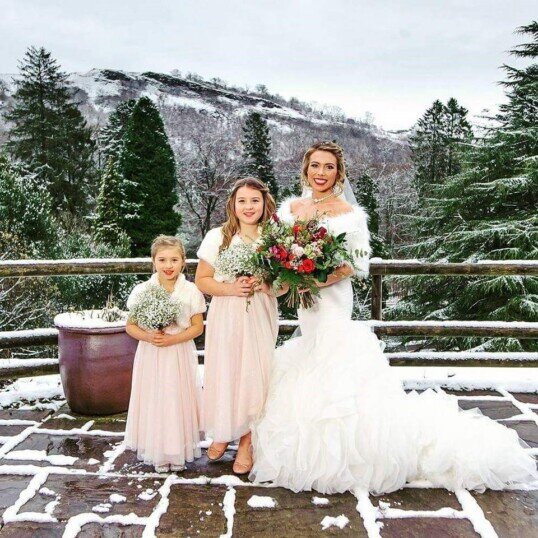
[
  {"x": 149, "y": 186},
  {"x": 366, "y": 193},
  {"x": 488, "y": 212},
  {"x": 25, "y": 210},
  {"x": 436, "y": 145},
  {"x": 107, "y": 226},
  {"x": 111, "y": 136},
  {"x": 257, "y": 151},
  {"x": 48, "y": 132}
]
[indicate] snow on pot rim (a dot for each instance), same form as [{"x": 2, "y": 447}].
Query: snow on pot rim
[{"x": 88, "y": 321}]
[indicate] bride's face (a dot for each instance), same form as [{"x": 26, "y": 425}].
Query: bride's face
[{"x": 322, "y": 171}]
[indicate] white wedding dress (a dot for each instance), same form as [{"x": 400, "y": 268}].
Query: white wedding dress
[{"x": 336, "y": 417}]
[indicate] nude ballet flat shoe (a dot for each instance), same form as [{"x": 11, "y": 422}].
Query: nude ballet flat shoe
[
  {"x": 214, "y": 454},
  {"x": 243, "y": 467}
]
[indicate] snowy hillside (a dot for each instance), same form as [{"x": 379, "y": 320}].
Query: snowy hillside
[{"x": 100, "y": 90}]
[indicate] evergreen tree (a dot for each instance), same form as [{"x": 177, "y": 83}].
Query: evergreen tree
[
  {"x": 111, "y": 136},
  {"x": 48, "y": 132},
  {"x": 436, "y": 144},
  {"x": 366, "y": 193},
  {"x": 107, "y": 226},
  {"x": 148, "y": 169},
  {"x": 25, "y": 211},
  {"x": 488, "y": 212},
  {"x": 257, "y": 150}
]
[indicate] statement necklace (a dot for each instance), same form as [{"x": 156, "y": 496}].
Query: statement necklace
[{"x": 323, "y": 198}]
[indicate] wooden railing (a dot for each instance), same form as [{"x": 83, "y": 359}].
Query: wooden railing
[{"x": 378, "y": 269}]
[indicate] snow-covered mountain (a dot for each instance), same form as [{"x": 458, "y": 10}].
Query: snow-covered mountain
[{"x": 100, "y": 91}]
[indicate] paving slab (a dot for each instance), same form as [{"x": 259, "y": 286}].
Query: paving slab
[
  {"x": 83, "y": 447},
  {"x": 526, "y": 397},
  {"x": 127, "y": 463},
  {"x": 10, "y": 489},
  {"x": 527, "y": 430},
  {"x": 294, "y": 514},
  {"x": 80, "y": 494},
  {"x": 29, "y": 529},
  {"x": 109, "y": 530},
  {"x": 512, "y": 513},
  {"x": 473, "y": 392},
  {"x": 493, "y": 409},
  {"x": 419, "y": 499},
  {"x": 25, "y": 414},
  {"x": 428, "y": 527},
  {"x": 10, "y": 430},
  {"x": 194, "y": 511}
]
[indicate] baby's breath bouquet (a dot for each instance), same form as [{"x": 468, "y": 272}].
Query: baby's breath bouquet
[
  {"x": 238, "y": 260},
  {"x": 155, "y": 309}
]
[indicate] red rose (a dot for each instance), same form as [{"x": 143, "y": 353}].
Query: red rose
[
  {"x": 308, "y": 265},
  {"x": 287, "y": 265},
  {"x": 322, "y": 232},
  {"x": 296, "y": 229},
  {"x": 274, "y": 216},
  {"x": 283, "y": 254}
]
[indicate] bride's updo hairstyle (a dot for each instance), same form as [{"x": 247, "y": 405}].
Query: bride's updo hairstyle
[
  {"x": 232, "y": 226},
  {"x": 330, "y": 147}
]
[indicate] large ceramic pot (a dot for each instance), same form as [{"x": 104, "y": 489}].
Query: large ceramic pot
[{"x": 96, "y": 363}]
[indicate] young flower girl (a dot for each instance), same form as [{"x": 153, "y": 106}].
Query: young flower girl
[
  {"x": 163, "y": 418},
  {"x": 240, "y": 338}
]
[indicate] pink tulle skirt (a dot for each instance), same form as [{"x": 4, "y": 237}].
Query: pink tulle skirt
[
  {"x": 163, "y": 420},
  {"x": 239, "y": 347}
]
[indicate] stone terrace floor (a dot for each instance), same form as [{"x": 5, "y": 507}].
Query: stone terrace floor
[{"x": 67, "y": 475}]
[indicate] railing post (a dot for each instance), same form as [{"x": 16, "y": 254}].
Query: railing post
[{"x": 377, "y": 297}]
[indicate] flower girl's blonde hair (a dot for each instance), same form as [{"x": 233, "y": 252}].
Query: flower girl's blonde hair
[{"x": 164, "y": 241}]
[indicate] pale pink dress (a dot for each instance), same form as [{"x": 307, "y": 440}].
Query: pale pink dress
[
  {"x": 239, "y": 347},
  {"x": 163, "y": 422}
]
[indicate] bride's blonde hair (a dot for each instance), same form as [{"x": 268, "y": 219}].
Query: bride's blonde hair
[
  {"x": 332, "y": 148},
  {"x": 232, "y": 226}
]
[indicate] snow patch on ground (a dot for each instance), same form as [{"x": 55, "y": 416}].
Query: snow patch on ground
[
  {"x": 147, "y": 495},
  {"x": 341, "y": 521},
  {"x": 41, "y": 455},
  {"x": 320, "y": 501},
  {"x": 32, "y": 389},
  {"x": 102, "y": 507},
  {"x": 257, "y": 501}
]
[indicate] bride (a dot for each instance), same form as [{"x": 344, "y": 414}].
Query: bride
[{"x": 336, "y": 417}]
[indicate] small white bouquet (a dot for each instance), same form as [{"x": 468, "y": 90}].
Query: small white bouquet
[
  {"x": 154, "y": 309},
  {"x": 238, "y": 260}
]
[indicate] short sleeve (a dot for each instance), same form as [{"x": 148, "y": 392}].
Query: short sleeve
[
  {"x": 133, "y": 296},
  {"x": 198, "y": 305},
  {"x": 209, "y": 248},
  {"x": 358, "y": 243}
]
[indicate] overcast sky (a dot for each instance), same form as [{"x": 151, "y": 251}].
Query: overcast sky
[{"x": 389, "y": 57}]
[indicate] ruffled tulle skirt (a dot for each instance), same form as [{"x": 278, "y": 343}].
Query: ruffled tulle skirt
[
  {"x": 163, "y": 417},
  {"x": 336, "y": 418},
  {"x": 239, "y": 346}
]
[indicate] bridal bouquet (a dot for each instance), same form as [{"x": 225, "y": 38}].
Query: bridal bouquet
[
  {"x": 155, "y": 309},
  {"x": 298, "y": 255},
  {"x": 238, "y": 260}
]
